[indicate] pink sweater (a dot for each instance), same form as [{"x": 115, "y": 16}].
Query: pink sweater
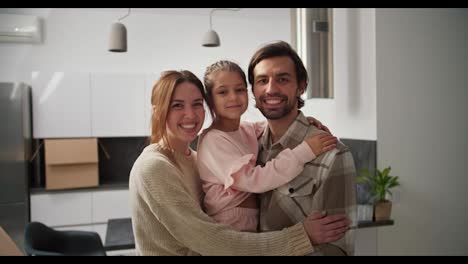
[{"x": 227, "y": 166}]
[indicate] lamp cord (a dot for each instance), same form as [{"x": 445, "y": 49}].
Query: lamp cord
[
  {"x": 125, "y": 15},
  {"x": 217, "y": 9}
]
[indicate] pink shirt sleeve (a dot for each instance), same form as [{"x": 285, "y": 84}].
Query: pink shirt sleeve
[
  {"x": 220, "y": 161},
  {"x": 259, "y": 127}
]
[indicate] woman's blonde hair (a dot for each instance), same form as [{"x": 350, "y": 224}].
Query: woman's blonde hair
[{"x": 161, "y": 101}]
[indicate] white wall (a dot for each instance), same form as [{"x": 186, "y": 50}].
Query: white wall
[
  {"x": 422, "y": 89},
  {"x": 352, "y": 113}
]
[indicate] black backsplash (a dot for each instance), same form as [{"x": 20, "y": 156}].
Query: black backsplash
[
  {"x": 365, "y": 157},
  {"x": 121, "y": 154}
]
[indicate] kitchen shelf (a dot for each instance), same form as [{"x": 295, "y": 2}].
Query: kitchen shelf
[
  {"x": 106, "y": 186},
  {"x": 366, "y": 224}
]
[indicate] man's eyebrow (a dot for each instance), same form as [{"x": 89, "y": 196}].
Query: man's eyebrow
[
  {"x": 260, "y": 76},
  {"x": 281, "y": 74}
]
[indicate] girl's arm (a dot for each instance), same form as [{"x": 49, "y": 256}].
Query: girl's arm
[
  {"x": 220, "y": 161},
  {"x": 259, "y": 127}
]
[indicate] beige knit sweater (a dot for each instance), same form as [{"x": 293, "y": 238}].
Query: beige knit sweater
[{"x": 168, "y": 219}]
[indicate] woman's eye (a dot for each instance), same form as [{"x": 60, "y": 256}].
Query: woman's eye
[
  {"x": 222, "y": 92},
  {"x": 177, "y": 106},
  {"x": 198, "y": 105}
]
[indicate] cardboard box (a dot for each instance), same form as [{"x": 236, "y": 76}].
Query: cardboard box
[
  {"x": 7, "y": 246},
  {"x": 71, "y": 163}
]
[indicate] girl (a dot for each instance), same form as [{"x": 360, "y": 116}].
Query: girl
[{"x": 228, "y": 151}]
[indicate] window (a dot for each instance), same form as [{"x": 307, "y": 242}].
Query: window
[{"x": 312, "y": 36}]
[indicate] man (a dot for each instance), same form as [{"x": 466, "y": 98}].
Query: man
[{"x": 278, "y": 78}]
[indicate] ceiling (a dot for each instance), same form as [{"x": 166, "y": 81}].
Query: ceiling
[{"x": 250, "y": 12}]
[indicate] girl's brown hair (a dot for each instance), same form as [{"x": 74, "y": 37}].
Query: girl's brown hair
[
  {"x": 208, "y": 79},
  {"x": 161, "y": 101}
]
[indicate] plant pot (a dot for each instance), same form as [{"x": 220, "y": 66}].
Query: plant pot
[{"x": 382, "y": 210}]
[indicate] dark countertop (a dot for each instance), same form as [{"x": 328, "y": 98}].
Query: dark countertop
[{"x": 119, "y": 234}]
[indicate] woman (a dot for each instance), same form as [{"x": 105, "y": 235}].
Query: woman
[{"x": 166, "y": 194}]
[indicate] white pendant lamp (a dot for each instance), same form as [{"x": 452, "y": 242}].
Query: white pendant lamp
[
  {"x": 211, "y": 38},
  {"x": 118, "y": 36}
]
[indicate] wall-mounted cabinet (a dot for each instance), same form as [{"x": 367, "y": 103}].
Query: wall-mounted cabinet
[
  {"x": 118, "y": 105},
  {"x": 71, "y": 105},
  {"x": 61, "y": 104}
]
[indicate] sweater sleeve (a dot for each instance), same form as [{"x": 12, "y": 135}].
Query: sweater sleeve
[
  {"x": 163, "y": 190},
  {"x": 220, "y": 159}
]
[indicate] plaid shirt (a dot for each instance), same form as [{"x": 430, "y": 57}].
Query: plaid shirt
[{"x": 326, "y": 183}]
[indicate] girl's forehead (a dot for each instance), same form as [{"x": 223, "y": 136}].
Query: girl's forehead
[{"x": 228, "y": 77}]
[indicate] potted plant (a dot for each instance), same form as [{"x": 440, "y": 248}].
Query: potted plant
[{"x": 380, "y": 184}]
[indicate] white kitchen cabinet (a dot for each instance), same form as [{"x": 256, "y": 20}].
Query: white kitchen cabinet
[
  {"x": 80, "y": 207},
  {"x": 62, "y": 209},
  {"x": 61, "y": 104},
  {"x": 108, "y": 204},
  {"x": 117, "y": 107}
]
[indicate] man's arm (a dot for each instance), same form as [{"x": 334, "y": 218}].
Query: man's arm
[{"x": 339, "y": 196}]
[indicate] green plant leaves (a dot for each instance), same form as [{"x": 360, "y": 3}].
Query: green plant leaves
[{"x": 380, "y": 182}]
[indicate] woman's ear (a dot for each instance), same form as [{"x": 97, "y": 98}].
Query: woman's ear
[{"x": 153, "y": 108}]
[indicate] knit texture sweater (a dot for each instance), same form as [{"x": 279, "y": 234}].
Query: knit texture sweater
[{"x": 168, "y": 219}]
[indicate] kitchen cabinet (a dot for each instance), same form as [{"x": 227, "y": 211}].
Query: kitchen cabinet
[
  {"x": 62, "y": 208},
  {"x": 117, "y": 105},
  {"x": 61, "y": 104},
  {"x": 65, "y": 208},
  {"x": 110, "y": 204},
  {"x": 73, "y": 105},
  {"x": 80, "y": 210}
]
